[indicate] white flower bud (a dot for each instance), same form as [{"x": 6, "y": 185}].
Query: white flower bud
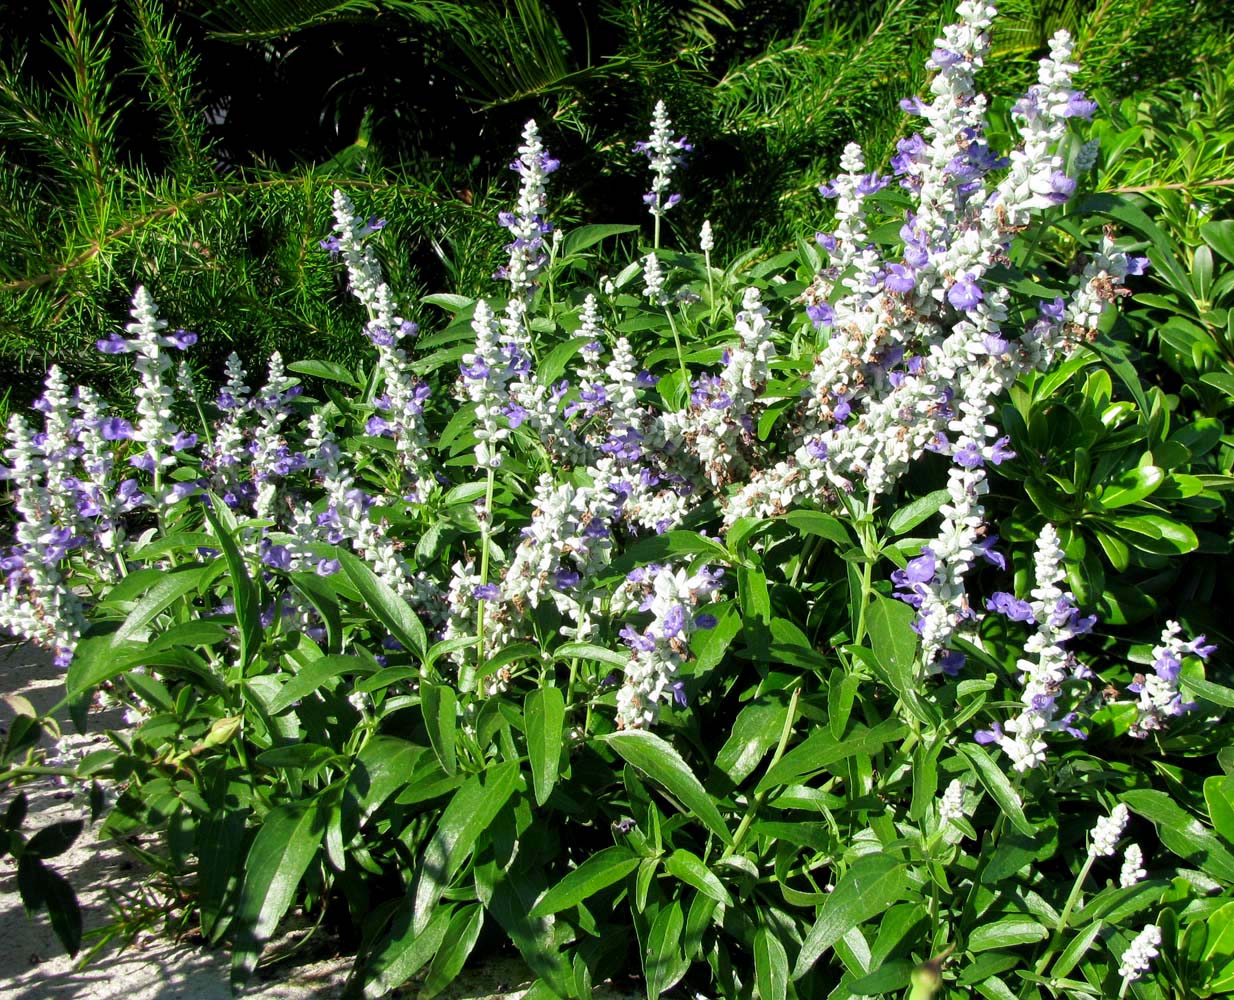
[
  {"x": 1138, "y": 957},
  {"x": 1107, "y": 831}
]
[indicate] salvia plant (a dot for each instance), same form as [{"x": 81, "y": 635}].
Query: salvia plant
[{"x": 784, "y": 629}]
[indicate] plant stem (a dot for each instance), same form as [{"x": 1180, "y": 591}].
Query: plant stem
[
  {"x": 753, "y": 808},
  {"x": 1063, "y": 917},
  {"x": 681, "y": 359},
  {"x": 485, "y": 531}
]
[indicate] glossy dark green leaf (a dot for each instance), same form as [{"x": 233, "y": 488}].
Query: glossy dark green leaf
[
  {"x": 1181, "y": 832},
  {"x": 872, "y": 883},
  {"x": 471, "y": 810},
  {"x": 439, "y": 703},
  {"x": 403, "y": 951},
  {"x": 997, "y": 784},
  {"x": 689, "y": 868},
  {"x": 544, "y": 712},
  {"x": 391, "y": 610},
  {"x": 244, "y": 591},
  {"x": 313, "y": 675},
  {"x": 321, "y": 594},
  {"x": 664, "y": 765},
  {"x": 770, "y": 966},
  {"x": 384, "y": 765},
  {"x": 820, "y": 750},
  {"x": 1132, "y": 487},
  {"x": 815, "y": 522},
  {"x": 599, "y": 871},
  {"x": 893, "y": 640},
  {"x": 286, "y": 843},
  {"x": 663, "y": 962},
  {"x": 1219, "y": 797},
  {"x": 756, "y": 730},
  {"x": 326, "y": 370},
  {"x": 912, "y": 514}
]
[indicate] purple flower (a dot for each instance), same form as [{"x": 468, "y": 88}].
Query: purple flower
[
  {"x": 486, "y": 592},
  {"x": 515, "y": 414},
  {"x": 969, "y": 456},
  {"x": 566, "y": 579},
  {"x": 144, "y": 461},
  {"x": 674, "y": 621},
  {"x": 375, "y": 223},
  {"x": 646, "y": 380},
  {"x": 705, "y": 621},
  {"x": 945, "y": 58},
  {"x": 330, "y": 243},
  {"x": 114, "y": 344},
  {"x": 1061, "y": 188},
  {"x": 991, "y": 735},
  {"x": 913, "y": 105},
  {"x": 899, "y": 279},
  {"x": 965, "y": 293},
  {"x": 637, "y": 640},
  {"x": 985, "y": 548},
  {"x": 182, "y": 339},
  {"x": 475, "y": 371},
  {"x": 952, "y": 662},
  {"x": 826, "y": 241},
  {"x": 1137, "y": 265},
  {"x": 379, "y": 336},
  {"x": 1010, "y": 607},
  {"x": 1079, "y": 107},
  {"x": 679, "y": 694},
  {"x": 820, "y": 313},
  {"x": 182, "y": 490},
  {"x": 1053, "y": 311},
  {"x": 116, "y": 429},
  {"x": 276, "y": 556},
  {"x": 183, "y": 441},
  {"x": 377, "y": 426},
  {"x": 817, "y": 449},
  {"x": 327, "y": 567},
  {"x": 1000, "y": 452}
]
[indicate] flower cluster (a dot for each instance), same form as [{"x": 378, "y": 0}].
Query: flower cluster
[
  {"x": 1159, "y": 697},
  {"x": 665, "y": 154},
  {"x": 672, "y": 595},
  {"x": 1047, "y": 667}
]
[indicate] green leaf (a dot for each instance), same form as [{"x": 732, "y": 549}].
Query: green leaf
[
  {"x": 1132, "y": 487},
  {"x": 1215, "y": 693},
  {"x": 439, "y": 703},
  {"x": 598, "y": 872},
  {"x": 814, "y": 522},
  {"x": 908, "y": 517},
  {"x": 245, "y": 599},
  {"x": 383, "y": 766},
  {"x": 1181, "y": 832},
  {"x": 460, "y": 938},
  {"x": 322, "y": 595},
  {"x": 583, "y": 237},
  {"x": 755, "y": 731},
  {"x": 995, "y": 782},
  {"x": 470, "y": 812},
  {"x": 588, "y": 651},
  {"x": 871, "y": 884},
  {"x": 327, "y": 370},
  {"x": 660, "y": 762},
  {"x": 403, "y": 951},
  {"x": 689, "y": 868},
  {"x": 286, "y": 844},
  {"x": 52, "y": 841},
  {"x": 1220, "y": 236},
  {"x": 1219, "y": 796},
  {"x": 894, "y": 642},
  {"x": 448, "y": 302},
  {"x": 820, "y": 750},
  {"x": 313, "y": 675},
  {"x": 663, "y": 962},
  {"x": 1005, "y": 933},
  {"x": 391, "y": 610},
  {"x": 1076, "y": 949},
  {"x": 770, "y": 966},
  {"x": 167, "y": 589},
  {"x": 544, "y": 712}
]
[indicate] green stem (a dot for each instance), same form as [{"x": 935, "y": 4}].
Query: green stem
[
  {"x": 1063, "y": 917},
  {"x": 485, "y": 531},
  {"x": 681, "y": 358},
  {"x": 753, "y": 808}
]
